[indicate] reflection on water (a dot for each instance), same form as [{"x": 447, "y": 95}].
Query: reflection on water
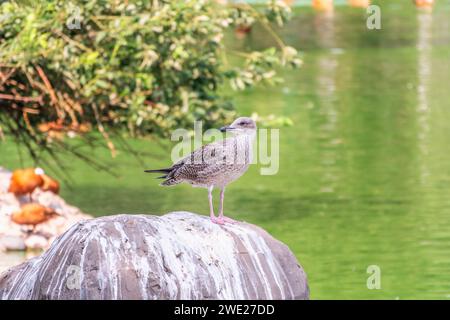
[
  {"x": 424, "y": 46},
  {"x": 364, "y": 173},
  {"x": 325, "y": 90}
]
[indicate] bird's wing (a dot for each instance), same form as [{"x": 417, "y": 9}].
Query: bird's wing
[{"x": 203, "y": 161}]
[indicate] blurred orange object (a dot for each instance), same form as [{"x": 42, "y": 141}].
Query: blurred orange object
[
  {"x": 424, "y": 3},
  {"x": 323, "y": 5},
  {"x": 241, "y": 31},
  {"x": 83, "y": 127},
  {"x": 57, "y": 130},
  {"x": 25, "y": 181},
  {"x": 50, "y": 126},
  {"x": 359, "y": 3},
  {"x": 32, "y": 214},
  {"x": 49, "y": 184}
]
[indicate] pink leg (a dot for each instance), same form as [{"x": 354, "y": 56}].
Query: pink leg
[
  {"x": 221, "y": 216},
  {"x": 211, "y": 208}
]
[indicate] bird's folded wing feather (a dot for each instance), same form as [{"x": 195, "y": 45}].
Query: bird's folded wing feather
[{"x": 203, "y": 161}]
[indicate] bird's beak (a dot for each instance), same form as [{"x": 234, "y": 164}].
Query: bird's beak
[{"x": 227, "y": 128}]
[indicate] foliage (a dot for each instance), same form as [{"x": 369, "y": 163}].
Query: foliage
[{"x": 147, "y": 66}]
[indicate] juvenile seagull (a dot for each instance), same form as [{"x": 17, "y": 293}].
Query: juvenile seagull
[{"x": 216, "y": 164}]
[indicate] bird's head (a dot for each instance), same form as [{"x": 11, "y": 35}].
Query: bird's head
[{"x": 242, "y": 125}]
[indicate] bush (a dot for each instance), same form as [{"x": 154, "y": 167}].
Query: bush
[{"x": 147, "y": 66}]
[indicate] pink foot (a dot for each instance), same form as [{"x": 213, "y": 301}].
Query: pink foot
[{"x": 217, "y": 220}]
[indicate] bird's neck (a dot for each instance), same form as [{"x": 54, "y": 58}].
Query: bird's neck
[
  {"x": 245, "y": 145},
  {"x": 248, "y": 136}
]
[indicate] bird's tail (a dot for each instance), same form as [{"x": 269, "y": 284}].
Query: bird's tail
[
  {"x": 170, "y": 182},
  {"x": 166, "y": 170}
]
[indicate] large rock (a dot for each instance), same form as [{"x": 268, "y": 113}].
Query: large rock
[{"x": 180, "y": 255}]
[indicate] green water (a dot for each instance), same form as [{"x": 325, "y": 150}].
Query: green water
[{"x": 364, "y": 175}]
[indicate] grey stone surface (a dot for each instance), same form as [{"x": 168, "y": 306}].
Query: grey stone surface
[{"x": 180, "y": 255}]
